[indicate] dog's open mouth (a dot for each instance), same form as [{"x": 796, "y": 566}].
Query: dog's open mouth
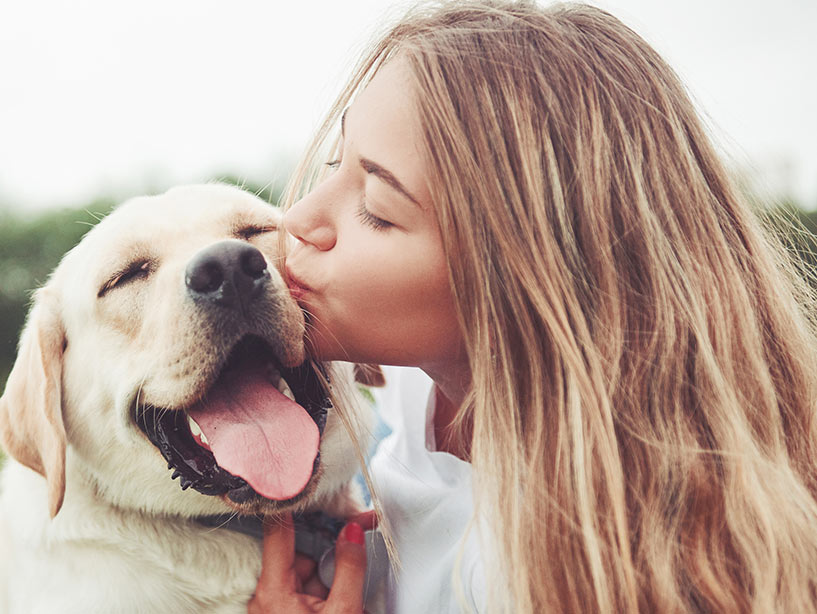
[{"x": 255, "y": 432}]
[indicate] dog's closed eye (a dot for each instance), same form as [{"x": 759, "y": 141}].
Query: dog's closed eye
[
  {"x": 248, "y": 232},
  {"x": 136, "y": 270}
]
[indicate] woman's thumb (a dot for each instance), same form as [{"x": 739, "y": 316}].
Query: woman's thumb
[{"x": 350, "y": 569}]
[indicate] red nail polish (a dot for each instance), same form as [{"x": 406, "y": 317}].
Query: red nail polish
[{"x": 353, "y": 533}]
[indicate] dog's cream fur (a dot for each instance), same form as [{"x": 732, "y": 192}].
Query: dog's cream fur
[{"x": 90, "y": 520}]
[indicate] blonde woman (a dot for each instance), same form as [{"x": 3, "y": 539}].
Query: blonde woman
[{"x": 522, "y": 202}]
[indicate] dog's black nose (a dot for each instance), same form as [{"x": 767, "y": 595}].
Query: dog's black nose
[{"x": 229, "y": 273}]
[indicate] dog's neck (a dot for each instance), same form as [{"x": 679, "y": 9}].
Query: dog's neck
[
  {"x": 248, "y": 525},
  {"x": 315, "y": 532}
]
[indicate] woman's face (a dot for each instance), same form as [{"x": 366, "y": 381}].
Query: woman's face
[{"x": 368, "y": 263}]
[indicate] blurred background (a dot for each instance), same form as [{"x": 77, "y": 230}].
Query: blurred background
[{"x": 103, "y": 100}]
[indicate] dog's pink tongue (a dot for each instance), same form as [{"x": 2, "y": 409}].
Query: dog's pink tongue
[{"x": 258, "y": 434}]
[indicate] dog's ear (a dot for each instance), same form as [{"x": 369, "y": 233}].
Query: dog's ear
[
  {"x": 31, "y": 425},
  {"x": 369, "y": 375}
]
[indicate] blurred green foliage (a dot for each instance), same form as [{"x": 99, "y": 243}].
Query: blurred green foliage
[{"x": 30, "y": 247}]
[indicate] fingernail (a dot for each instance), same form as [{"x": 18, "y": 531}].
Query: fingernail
[{"x": 353, "y": 533}]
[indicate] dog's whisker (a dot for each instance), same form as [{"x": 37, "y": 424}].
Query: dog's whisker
[
  {"x": 139, "y": 408},
  {"x": 310, "y": 325},
  {"x": 225, "y": 522},
  {"x": 264, "y": 188},
  {"x": 97, "y": 216}
]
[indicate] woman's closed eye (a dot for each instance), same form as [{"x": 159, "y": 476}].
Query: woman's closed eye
[
  {"x": 363, "y": 214},
  {"x": 370, "y": 219}
]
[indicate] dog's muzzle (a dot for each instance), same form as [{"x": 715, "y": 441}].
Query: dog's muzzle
[{"x": 253, "y": 428}]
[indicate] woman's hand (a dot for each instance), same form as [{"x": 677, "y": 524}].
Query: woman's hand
[{"x": 289, "y": 584}]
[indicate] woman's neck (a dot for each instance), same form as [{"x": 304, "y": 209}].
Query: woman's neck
[{"x": 451, "y": 387}]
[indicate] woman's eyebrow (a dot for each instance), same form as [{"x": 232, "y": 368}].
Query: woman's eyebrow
[
  {"x": 378, "y": 171},
  {"x": 388, "y": 177}
]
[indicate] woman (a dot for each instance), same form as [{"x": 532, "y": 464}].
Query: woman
[{"x": 523, "y": 203}]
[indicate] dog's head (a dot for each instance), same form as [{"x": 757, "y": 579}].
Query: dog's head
[{"x": 169, "y": 331}]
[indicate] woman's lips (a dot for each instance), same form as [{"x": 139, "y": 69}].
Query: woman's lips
[{"x": 297, "y": 288}]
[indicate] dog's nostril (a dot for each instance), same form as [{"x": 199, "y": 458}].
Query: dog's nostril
[
  {"x": 206, "y": 277},
  {"x": 253, "y": 264}
]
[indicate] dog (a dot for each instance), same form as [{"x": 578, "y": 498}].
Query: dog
[{"x": 161, "y": 380}]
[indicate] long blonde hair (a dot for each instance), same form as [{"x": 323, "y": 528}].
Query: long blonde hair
[{"x": 644, "y": 379}]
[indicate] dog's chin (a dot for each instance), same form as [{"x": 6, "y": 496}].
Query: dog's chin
[{"x": 185, "y": 448}]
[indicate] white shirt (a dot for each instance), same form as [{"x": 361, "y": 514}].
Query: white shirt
[{"x": 426, "y": 497}]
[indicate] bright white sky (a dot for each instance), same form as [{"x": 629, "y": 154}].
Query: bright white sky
[{"x": 110, "y": 97}]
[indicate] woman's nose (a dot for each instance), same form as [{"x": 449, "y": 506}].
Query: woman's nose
[{"x": 310, "y": 225}]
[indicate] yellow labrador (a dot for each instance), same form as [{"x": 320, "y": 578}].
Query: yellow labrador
[{"x": 160, "y": 379}]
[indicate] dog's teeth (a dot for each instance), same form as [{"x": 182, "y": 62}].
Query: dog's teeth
[
  {"x": 273, "y": 375},
  {"x": 284, "y": 389},
  {"x": 195, "y": 429}
]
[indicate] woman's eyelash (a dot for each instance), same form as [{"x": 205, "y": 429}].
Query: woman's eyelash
[
  {"x": 366, "y": 216},
  {"x": 363, "y": 214}
]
